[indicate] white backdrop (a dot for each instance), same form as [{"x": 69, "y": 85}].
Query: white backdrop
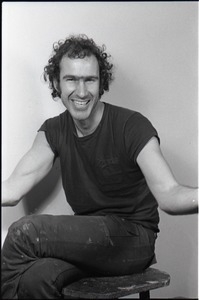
[{"x": 154, "y": 49}]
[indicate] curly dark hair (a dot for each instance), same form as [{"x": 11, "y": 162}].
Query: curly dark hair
[{"x": 78, "y": 46}]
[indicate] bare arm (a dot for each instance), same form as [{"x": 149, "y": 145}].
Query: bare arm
[
  {"x": 31, "y": 169},
  {"x": 172, "y": 197}
]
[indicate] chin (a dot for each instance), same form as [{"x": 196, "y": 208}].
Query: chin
[{"x": 80, "y": 116}]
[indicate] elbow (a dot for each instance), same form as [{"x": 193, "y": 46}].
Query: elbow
[
  {"x": 166, "y": 200},
  {"x": 10, "y": 202},
  {"x": 168, "y": 211},
  {"x": 178, "y": 200},
  {"x": 167, "y": 206},
  {"x": 178, "y": 210}
]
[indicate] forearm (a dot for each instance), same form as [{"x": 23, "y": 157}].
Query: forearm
[
  {"x": 31, "y": 169},
  {"x": 10, "y": 197},
  {"x": 14, "y": 189},
  {"x": 179, "y": 200}
]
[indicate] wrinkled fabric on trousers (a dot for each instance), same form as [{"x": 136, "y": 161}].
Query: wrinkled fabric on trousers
[{"x": 43, "y": 253}]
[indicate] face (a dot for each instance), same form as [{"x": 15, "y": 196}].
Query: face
[{"x": 79, "y": 86}]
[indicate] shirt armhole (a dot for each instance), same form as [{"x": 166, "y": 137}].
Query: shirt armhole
[
  {"x": 43, "y": 128},
  {"x": 143, "y": 144},
  {"x": 138, "y": 134}
]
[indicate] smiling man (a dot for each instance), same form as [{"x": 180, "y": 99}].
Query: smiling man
[
  {"x": 114, "y": 177},
  {"x": 78, "y": 86}
]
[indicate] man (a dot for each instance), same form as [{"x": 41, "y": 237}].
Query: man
[{"x": 114, "y": 177}]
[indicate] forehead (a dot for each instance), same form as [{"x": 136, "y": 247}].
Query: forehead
[{"x": 86, "y": 66}]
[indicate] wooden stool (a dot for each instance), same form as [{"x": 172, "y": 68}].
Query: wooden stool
[{"x": 117, "y": 286}]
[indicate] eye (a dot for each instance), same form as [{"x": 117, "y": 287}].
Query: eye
[
  {"x": 70, "y": 79},
  {"x": 92, "y": 79}
]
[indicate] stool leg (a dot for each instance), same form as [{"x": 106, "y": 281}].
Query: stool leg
[{"x": 145, "y": 295}]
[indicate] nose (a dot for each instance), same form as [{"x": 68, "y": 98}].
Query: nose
[{"x": 81, "y": 89}]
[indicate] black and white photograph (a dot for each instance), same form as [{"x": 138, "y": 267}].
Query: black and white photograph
[{"x": 99, "y": 150}]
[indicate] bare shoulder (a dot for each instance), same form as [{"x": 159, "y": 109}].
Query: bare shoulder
[
  {"x": 155, "y": 168},
  {"x": 152, "y": 148},
  {"x": 41, "y": 150},
  {"x": 40, "y": 139}
]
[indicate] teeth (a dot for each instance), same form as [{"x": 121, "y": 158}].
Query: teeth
[{"x": 80, "y": 102}]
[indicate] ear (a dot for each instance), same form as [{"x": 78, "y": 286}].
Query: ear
[{"x": 57, "y": 87}]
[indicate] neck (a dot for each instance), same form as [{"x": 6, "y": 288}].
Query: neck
[{"x": 88, "y": 126}]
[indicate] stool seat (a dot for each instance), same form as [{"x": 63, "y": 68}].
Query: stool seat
[{"x": 117, "y": 286}]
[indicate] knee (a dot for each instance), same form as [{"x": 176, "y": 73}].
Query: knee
[
  {"x": 20, "y": 229},
  {"x": 22, "y": 224}
]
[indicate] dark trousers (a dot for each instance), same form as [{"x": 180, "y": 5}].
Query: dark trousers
[{"x": 43, "y": 253}]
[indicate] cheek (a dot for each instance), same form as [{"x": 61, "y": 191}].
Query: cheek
[
  {"x": 94, "y": 90},
  {"x": 65, "y": 102},
  {"x": 65, "y": 90}
]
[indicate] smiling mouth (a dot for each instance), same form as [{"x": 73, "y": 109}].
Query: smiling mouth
[{"x": 80, "y": 103}]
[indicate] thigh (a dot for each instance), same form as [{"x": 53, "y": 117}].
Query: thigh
[
  {"x": 68, "y": 238},
  {"x": 75, "y": 239},
  {"x": 133, "y": 246},
  {"x": 101, "y": 244}
]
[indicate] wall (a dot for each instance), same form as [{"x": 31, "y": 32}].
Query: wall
[{"x": 154, "y": 49}]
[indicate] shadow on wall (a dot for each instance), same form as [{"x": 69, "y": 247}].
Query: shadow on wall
[{"x": 44, "y": 192}]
